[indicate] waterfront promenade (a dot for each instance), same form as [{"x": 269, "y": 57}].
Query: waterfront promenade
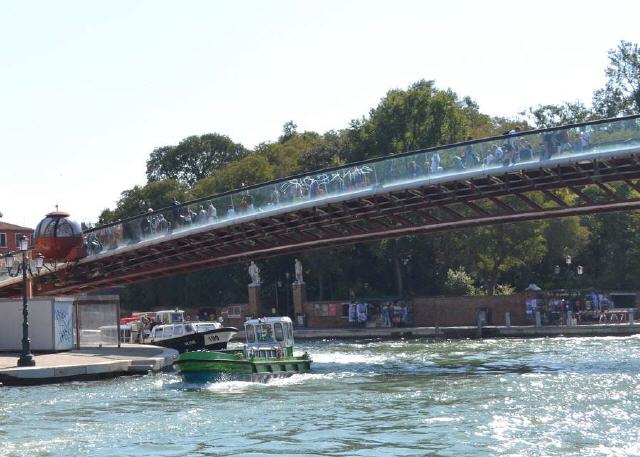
[{"x": 86, "y": 364}]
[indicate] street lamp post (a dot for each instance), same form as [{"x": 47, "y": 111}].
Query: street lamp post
[
  {"x": 278, "y": 286},
  {"x": 287, "y": 284},
  {"x": 572, "y": 283},
  {"x": 26, "y": 358}
]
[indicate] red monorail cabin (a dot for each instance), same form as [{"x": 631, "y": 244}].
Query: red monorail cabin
[{"x": 59, "y": 238}]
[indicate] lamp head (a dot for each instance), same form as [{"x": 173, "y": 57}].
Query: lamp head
[
  {"x": 39, "y": 262},
  {"x": 8, "y": 261},
  {"x": 23, "y": 243}
]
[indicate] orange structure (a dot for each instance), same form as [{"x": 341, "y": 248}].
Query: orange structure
[{"x": 59, "y": 238}]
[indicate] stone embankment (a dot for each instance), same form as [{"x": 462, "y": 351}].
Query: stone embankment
[{"x": 491, "y": 331}]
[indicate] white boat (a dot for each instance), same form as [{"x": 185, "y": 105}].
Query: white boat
[{"x": 174, "y": 332}]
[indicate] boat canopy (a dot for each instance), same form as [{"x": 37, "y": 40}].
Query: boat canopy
[
  {"x": 269, "y": 332},
  {"x": 172, "y": 316}
]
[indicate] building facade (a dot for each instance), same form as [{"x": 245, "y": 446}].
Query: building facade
[{"x": 9, "y": 234}]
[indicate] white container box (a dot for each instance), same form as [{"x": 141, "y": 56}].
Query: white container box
[{"x": 50, "y": 324}]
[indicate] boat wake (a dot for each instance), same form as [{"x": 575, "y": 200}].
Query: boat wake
[
  {"x": 347, "y": 359},
  {"x": 237, "y": 386}
]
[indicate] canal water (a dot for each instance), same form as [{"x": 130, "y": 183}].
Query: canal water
[{"x": 536, "y": 397}]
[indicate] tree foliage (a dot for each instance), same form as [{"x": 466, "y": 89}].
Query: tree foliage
[
  {"x": 419, "y": 117},
  {"x": 252, "y": 169},
  {"x": 621, "y": 94},
  {"x": 194, "y": 158},
  {"x": 459, "y": 282},
  {"x": 154, "y": 195},
  {"x": 545, "y": 116}
]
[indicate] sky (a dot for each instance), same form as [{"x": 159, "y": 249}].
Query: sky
[{"x": 88, "y": 89}]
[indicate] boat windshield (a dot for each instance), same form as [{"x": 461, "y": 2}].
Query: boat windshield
[
  {"x": 264, "y": 332},
  {"x": 277, "y": 327},
  {"x": 251, "y": 337}
]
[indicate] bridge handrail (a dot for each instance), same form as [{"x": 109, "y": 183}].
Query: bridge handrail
[
  {"x": 538, "y": 141},
  {"x": 239, "y": 190}
]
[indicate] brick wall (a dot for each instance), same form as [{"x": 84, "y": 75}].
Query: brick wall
[
  {"x": 9, "y": 237},
  {"x": 432, "y": 311},
  {"x": 456, "y": 311},
  {"x": 315, "y": 321}
]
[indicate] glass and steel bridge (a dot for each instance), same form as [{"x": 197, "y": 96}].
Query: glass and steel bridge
[{"x": 514, "y": 177}]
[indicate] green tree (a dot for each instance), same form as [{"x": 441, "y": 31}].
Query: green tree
[
  {"x": 566, "y": 236},
  {"x": 252, "y": 169},
  {"x": 419, "y": 117},
  {"x": 194, "y": 158},
  {"x": 505, "y": 289},
  {"x": 154, "y": 195},
  {"x": 621, "y": 93},
  {"x": 323, "y": 154},
  {"x": 459, "y": 282},
  {"x": 545, "y": 116},
  {"x": 289, "y": 130},
  {"x": 285, "y": 155},
  {"x": 501, "y": 248}
]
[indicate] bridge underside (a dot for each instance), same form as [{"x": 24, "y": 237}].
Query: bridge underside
[{"x": 578, "y": 188}]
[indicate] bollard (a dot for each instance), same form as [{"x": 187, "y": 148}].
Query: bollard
[
  {"x": 569, "y": 319},
  {"x": 507, "y": 319},
  {"x": 631, "y": 317},
  {"x": 538, "y": 319}
]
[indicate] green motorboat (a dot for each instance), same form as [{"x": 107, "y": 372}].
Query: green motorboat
[{"x": 268, "y": 352}]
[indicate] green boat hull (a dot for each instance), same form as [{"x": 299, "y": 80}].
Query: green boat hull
[{"x": 211, "y": 366}]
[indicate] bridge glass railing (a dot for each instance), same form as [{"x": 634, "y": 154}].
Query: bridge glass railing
[{"x": 412, "y": 169}]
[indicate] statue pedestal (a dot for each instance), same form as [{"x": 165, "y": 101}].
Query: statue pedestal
[
  {"x": 299, "y": 299},
  {"x": 255, "y": 300}
]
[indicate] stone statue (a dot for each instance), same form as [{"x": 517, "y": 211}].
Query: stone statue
[
  {"x": 298, "y": 270},
  {"x": 254, "y": 272}
]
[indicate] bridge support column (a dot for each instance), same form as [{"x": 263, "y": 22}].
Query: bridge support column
[
  {"x": 255, "y": 300},
  {"x": 299, "y": 299}
]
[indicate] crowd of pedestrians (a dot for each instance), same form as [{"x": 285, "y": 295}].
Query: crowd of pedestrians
[{"x": 509, "y": 151}]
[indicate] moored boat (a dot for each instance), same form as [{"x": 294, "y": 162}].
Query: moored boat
[
  {"x": 267, "y": 352},
  {"x": 176, "y": 333}
]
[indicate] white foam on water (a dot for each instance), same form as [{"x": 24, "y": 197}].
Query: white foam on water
[
  {"x": 297, "y": 378},
  {"x": 229, "y": 386},
  {"x": 343, "y": 359},
  {"x": 269, "y": 382}
]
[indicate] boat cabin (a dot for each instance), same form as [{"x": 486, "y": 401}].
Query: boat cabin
[
  {"x": 161, "y": 332},
  {"x": 166, "y": 331},
  {"x": 269, "y": 337},
  {"x": 170, "y": 316}
]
